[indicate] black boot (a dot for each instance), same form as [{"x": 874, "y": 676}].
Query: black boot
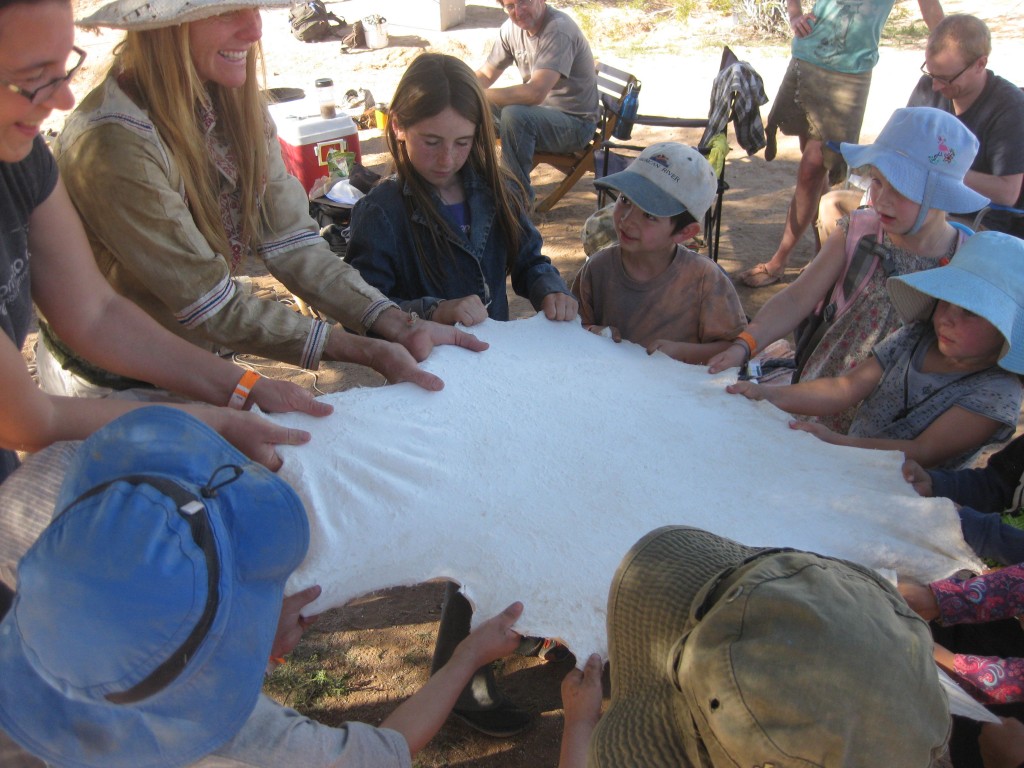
[{"x": 480, "y": 705}]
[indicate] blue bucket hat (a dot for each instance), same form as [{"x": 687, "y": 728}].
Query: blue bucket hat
[
  {"x": 985, "y": 277},
  {"x": 924, "y": 153},
  {"x": 146, "y": 611}
]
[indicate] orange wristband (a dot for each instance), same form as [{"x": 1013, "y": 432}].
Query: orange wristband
[
  {"x": 242, "y": 390},
  {"x": 749, "y": 340}
]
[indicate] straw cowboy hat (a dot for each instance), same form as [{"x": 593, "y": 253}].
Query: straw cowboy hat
[{"x": 140, "y": 15}]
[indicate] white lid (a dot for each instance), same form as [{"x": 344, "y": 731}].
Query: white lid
[{"x": 299, "y": 122}]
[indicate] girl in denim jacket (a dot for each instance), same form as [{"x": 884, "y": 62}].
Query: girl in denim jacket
[
  {"x": 440, "y": 235},
  {"x": 439, "y": 238}
]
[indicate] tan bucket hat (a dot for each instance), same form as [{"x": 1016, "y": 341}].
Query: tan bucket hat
[
  {"x": 725, "y": 655},
  {"x": 140, "y": 15}
]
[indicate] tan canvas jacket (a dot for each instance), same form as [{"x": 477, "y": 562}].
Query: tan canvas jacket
[{"x": 131, "y": 198}]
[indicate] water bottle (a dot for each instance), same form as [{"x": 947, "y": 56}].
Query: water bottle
[
  {"x": 325, "y": 95},
  {"x": 630, "y": 103}
]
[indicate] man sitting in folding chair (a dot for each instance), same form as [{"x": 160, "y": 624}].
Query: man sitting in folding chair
[{"x": 555, "y": 108}]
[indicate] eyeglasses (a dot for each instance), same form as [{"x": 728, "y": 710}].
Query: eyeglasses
[
  {"x": 946, "y": 80},
  {"x": 43, "y": 92},
  {"x": 515, "y": 5}
]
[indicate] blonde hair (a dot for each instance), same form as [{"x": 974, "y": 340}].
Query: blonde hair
[
  {"x": 968, "y": 34},
  {"x": 431, "y": 84},
  {"x": 155, "y": 67}
]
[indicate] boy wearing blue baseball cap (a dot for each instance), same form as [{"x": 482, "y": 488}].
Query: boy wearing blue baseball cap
[
  {"x": 147, "y": 610},
  {"x": 648, "y": 288}
]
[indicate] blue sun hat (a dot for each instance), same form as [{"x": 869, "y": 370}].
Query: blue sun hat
[
  {"x": 146, "y": 611},
  {"x": 986, "y": 276},
  {"x": 924, "y": 153}
]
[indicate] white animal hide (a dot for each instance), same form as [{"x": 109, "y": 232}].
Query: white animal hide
[{"x": 547, "y": 456}]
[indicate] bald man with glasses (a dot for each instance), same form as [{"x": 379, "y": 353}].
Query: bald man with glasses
[
  {"x": 555, "y": 107},
  {"x": 957, "y": 80}
]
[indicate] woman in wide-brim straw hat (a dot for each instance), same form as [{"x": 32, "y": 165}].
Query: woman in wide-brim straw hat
[
  {"x": 175, "y": 167},
  {"x": 45, "y": 261},
  {"x": 916, "y": 167}
]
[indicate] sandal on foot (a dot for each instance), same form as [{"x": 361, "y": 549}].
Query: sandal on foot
[{"x": 759, "y": 276}]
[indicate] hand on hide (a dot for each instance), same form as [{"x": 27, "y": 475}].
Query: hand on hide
[
  {"x": 582, "y": 693},
  {"x": 559, "y": 306},
  {"x": 255, "y": 436},
  {"x": 581, "y": 700},
  {"x": 608, "y": 331},
  {"x": 674, "y": 349},
  {"x": 920, "y": 598},
  {"x": 820, "y": 431},
  {"x": 753, "y": 391},
  {"x": 291, "y": 625},
  {"x": 469, "y": 310},
  {"x": 275, "y": 396},
  {"x": 918, "y": 477},
  {"x": 418, "y": 338},
  {"x": 733, "y": 357},
  {"x": 493, "y": 639},
  {"x": 421, "y": 336}
]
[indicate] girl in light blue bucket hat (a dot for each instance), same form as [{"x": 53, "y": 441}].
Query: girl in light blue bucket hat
[
  {"x": 916, "y": 167},
  {"x": 945, "y": 384}
]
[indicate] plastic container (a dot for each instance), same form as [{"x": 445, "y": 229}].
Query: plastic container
[
  {"x": 325, "y": 95},
  {"x": 380, "y": 113},
  {"x": 376, "y": 30},
  {"x": 306, "y": 138}
]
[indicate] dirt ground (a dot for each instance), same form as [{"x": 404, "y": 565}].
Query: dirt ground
[{"x": 359, "y": 662}]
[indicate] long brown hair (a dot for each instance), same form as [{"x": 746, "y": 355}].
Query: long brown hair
[
  {"x": 431, "y": 84},
  {"x": 156, "y": 66}
]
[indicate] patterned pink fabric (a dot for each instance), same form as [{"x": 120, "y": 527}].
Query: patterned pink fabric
[{"x": 989, "y": 597}]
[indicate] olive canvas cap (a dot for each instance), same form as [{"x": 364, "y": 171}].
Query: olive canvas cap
[{"x": 727, "y": 655}]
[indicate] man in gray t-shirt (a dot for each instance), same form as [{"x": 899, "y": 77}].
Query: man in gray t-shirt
[
  {"x": 956, "y": 79},
  {"x": 555, "y": 108}
]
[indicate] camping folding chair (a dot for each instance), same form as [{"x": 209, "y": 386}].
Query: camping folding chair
[
  {"x": 612, "y": 84},
  {"x": 711, "y": 147}
]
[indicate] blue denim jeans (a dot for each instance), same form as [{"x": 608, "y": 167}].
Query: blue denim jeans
[{"x": 524, "y": 129}]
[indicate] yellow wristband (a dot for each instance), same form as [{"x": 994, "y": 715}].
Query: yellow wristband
[{"x": 242, "y": 390}]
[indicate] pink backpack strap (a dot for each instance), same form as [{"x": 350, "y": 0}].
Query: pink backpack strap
[{"x": 863, "y": 221}]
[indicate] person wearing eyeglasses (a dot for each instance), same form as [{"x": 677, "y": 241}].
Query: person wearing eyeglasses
[
  {"x": 555, "y": 107},
  {"x": 822, "y": 99},
  {"x": 45, "y": 260},
  {"x": 957, "y": 80}
]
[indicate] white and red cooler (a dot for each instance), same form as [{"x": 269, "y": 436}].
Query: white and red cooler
[{"x": 306, "y": 138}]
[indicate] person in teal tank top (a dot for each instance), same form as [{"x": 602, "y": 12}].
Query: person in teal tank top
[{"x": 821, "y": 99}]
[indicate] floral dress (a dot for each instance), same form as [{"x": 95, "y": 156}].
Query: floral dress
[{"x": 869, "y": 319}]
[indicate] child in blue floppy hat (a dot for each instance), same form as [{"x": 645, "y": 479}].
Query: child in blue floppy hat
[
  {"x": 916, "y": 167},
  {"x": 945, "y": 384},
  {"x": 147, "y": 611}
]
